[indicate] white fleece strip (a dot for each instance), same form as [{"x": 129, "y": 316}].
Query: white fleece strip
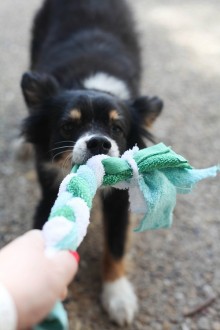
[
  {"x": 65, "y": 182},
  {"x": 136, "y": 197},
  {"x": 55, "y": 230},
  {"x": 128, "y": 156},
  {"x": 8, "y": 312},
  {"x": 95, "y": 164},
  {"x": 82, "y": 214}
]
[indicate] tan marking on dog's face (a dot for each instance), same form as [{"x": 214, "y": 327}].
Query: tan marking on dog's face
[
  {"x": 75, "y": 114},
  {"x": 112, "y": 269},
  {"x": 113, "y": 115}
]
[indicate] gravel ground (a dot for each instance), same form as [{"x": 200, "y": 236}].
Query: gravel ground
[{"x": 174, "y": 271}]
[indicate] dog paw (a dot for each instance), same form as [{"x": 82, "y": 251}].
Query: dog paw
[{"x": 119, "y": 301}]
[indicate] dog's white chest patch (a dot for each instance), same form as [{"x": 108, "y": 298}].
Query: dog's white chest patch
[{"x": 107, "y": 83}]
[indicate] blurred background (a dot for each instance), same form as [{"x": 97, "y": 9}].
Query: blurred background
[{"x": 176, "y": 272}]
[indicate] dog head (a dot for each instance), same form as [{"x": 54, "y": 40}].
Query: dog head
[{"x": 70, "y": 126}]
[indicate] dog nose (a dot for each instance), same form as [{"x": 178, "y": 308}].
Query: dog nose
[{"x": 99, "y": 145}]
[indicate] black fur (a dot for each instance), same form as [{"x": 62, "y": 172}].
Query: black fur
[{"x": 72, "y": 40}]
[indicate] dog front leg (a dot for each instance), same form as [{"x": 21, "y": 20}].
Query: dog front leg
[
  {"x": 49, "y": 182},
  {"x": 43, "y": 209},
  {"x": 118, "y": 297}
]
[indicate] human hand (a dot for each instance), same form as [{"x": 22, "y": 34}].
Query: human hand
[{"x": 34, "y": 280}]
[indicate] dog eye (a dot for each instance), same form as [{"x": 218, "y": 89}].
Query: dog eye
[
  {"x": 116, "y": 129},
  {"x": 66, "y": 129}
]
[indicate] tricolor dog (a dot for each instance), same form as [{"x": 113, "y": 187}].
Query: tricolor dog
[{"x": 82, "y": 93}]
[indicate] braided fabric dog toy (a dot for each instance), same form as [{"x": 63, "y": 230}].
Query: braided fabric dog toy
[{"x": 153, "y": 177}]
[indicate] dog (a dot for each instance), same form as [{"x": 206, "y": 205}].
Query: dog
[{"x": 82, "y": 93}]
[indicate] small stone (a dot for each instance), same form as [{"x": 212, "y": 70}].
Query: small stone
[
  {"x": 156, "y": 326},
  {"x": 138, "y": 325},
  {"x": 77, "y": 324},
  {"x": 208, "y": 290},
  {"x": 166, "y": 326},
  {"x": 203, "y": 324},
  {"x": 179, "y": 296},
  {"x": 31, "y": 175},
  {"x": 167, "y": 282},
  {"x": 216, "y": 326},
  {"x": 184, "y": 326}
]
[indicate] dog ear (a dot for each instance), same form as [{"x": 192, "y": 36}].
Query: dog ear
[
  {"x": 37, "y": 88},
  {"x": 35, "y": 128},
  {"x": 148, "y": 109}
]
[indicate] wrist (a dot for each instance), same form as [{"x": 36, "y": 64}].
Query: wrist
[{"x": 8, "y": 311}]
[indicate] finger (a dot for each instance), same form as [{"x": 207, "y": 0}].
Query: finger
[
  {"x": 31, "y": 239},
  {"x": 34, "y": 238},
  {"x": 33, "y": 234},
  {"x": 66, "y": 264}
]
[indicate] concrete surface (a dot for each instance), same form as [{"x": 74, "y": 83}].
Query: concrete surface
[{"x": 174, "y": 271}]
